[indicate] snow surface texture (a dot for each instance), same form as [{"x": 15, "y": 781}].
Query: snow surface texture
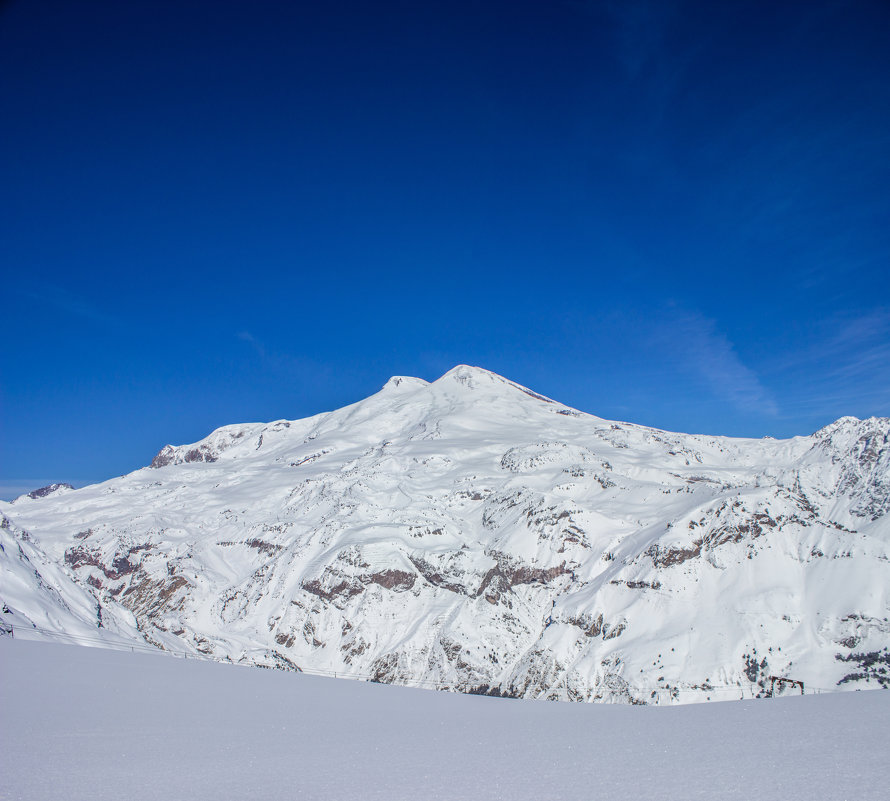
[
  {"x": 88, "y": 723},
  {"x": 473, "y": 535}
]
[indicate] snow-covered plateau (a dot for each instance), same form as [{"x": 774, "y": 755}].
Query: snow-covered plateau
[
  {"x": 87, "y": 723},
  {"x": 471, "y": 535}
]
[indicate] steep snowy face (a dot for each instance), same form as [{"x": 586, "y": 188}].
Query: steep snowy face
[
  {"x": 52, "y": 598},
  {"x": 472, "y": 534}
]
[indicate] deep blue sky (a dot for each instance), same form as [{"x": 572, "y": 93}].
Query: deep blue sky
[{"x": 673, "y": 213}]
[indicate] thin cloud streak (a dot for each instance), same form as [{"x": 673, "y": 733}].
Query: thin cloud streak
[
  {"x": 705, "y": 352},
  {"x": 246, "y": 336},
  {"x": 286, "y": 365},
  {"x": 845, "y": 369}
]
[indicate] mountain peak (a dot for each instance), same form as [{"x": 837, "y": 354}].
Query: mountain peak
[
  {"x": 49, "y": 489},
  {"x": 462, "y": 371},
  {"x": 842, "y": 422},
  {"x": 853, "y": 424},
  {"x": 470, "y": 376},
  {"x": 404, "y": 382}
]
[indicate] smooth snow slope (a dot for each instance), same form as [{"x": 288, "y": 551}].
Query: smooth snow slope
[
  {"x": 84, "y": 723},
  {"x": 472, "y": 534}
]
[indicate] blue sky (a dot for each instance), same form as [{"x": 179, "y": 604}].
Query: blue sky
[{"x": 673, "y": 213}]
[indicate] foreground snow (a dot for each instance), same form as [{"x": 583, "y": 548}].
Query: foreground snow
[{"x": 99, "y": 724}]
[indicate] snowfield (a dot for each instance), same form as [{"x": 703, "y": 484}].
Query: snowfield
[
  {"x": 470, "y": 534},
  {"x": 89, "y": 723}
]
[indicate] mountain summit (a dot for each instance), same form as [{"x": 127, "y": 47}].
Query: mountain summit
[{"x": 472, "y": 534}]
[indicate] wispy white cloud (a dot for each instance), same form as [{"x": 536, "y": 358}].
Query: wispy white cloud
[
  {"x": 285, "y": 364},
  {"x": 246, "y": 336},
  {"x": 700, "y": 349},
  {"x": 845, "y": 369},
  {"x": 864, "y": 329}
]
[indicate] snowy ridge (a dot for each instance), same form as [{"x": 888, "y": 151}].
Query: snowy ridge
[{"x": 472, "y": 534}]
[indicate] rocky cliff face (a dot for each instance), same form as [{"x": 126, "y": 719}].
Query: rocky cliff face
[{"x": 471, "y": 534}]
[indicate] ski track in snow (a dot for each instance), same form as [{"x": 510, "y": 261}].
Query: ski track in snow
[{"x": 89, "y": 723}]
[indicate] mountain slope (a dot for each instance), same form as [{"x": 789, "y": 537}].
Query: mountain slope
[{"x": 472, "y": 534}]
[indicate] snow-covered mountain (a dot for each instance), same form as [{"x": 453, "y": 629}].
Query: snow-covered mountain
[{"x": 471, "y": 534}]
